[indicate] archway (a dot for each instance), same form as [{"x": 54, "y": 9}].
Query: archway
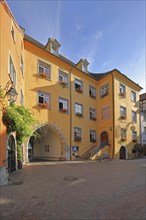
[
  {"x": 104, "y": 138},
  {"x": 122, "y": 154},
  {"x": 11, "y": 154},
  {"x": 49, "y": 144}
]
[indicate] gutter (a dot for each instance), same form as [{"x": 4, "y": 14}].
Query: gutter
[{"x": 113, "y": 104}]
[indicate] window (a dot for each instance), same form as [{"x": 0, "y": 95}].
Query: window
[
  {"x": 92, "y": 113},
  {"x": 104, "y": 90},
  {"x": 122, "y": 90},
  {"x": 133, "y": 96},
  {"x": 92, "y": 136},
  {"x": 54, "y": 49},
  {"x": 134, "y": 117},
  {"x": 63, "y": 105},
  {"x": 44, "y": 99},
  {"x": 84, "y": 68},
  {"x": 78, "y": 85},
  {"x": 134, "y": 135},
  {"x": 77, "y": 134},
  {"x": 92, "y": 92},
  {"x": 123, "y": 133},
  {"x": 78, "y": 109},
  {"x": 22, "y": 65},
  {"x": 63, "y": 78},
  {"x": 13, "y": 32},
  {"x": 12, "y": 71},
  {"x": 122, "y": 112},
  {"x": 44, "y": 69},
  {"x": 21, "y": 97}
]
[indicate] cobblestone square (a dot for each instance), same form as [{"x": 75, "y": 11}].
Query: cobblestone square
[{"x": 76, "y": 190}]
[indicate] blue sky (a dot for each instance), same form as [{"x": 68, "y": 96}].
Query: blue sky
[{"x": 109, "y": 34}]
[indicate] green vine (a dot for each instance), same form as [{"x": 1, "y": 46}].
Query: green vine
[{"x": 20, "y": 120}]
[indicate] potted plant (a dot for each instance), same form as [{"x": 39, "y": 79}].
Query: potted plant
[
  {"x": 78, "y": 89},
  {"x": 78, "y": 114},
  {"x": 63, "y": 110}
]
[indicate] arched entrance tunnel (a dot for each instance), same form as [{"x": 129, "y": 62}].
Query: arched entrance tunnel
[{"x": 47, "y": 143}]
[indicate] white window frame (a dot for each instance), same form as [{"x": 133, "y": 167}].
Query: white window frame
[
  {"x": 77, "y": 132},
  {"x": 21, "y": 97},
  {"x": 92, "y": 135},
  {"x": 54, "y": 49},
  {"x": 46, "y": 69},
  {"x": 63, "y": 105},
  {"x": 134, "y": 135},
  {"x": 134, "y": 116},
  {"x": 78, "y": 85},
  {"x": 78, "y": 109},
  {"x": 92, "y": 91},
  {"x": 122, "y": 89},
  {"x": 13, "y": 32},
  {"x": 45, "y": 99},
  {"x": 123, "y": 111},
  {"x": 63, "y": 77},
  {"x": 104, "y": 90},
  {"x": 22, "y": 65},
  {"x": 123, "y": 133},
  {"x": 84, "y": 68},
  {"x": 133, "y": 96},
  {"x": 92, "y": 113},
  {"x": 12, "y": 71}
]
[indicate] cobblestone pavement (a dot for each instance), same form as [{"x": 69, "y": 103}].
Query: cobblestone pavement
[{"x": 76, "y": 190}]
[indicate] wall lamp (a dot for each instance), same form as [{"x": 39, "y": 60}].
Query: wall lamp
[{"x": 9, "y": 92}]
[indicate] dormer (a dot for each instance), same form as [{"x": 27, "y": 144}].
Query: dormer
[
  {"x": 83, "y": 65},
  {"x": 53, "y": 46}
]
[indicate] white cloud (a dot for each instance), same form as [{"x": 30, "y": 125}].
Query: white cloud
[
  {"x": 97, "y": 35},
  {"x": 79, "y": 26}
]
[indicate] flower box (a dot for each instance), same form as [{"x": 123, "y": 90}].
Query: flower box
[
  {"x": 122, "y": 94},
  {"x": 123, "y": 116},
  {"x": 63, "y": 110},
  {"x": 78, "y": 138},
  {"x": 79, "y": 90},
  {"x": 79, "y": 114},
  {"x": 134, "y": 140},
  {"x": 63, "y": 83},
  {"x": 44, "y": 105},
  {"x": 93, "y": 118},
  {"x": 123, "y": 139},
  {"x": 93, "y": 140},
  {"x": 43, "y": 75}
]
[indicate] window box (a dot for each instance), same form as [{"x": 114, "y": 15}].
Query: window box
[
  {"x": 44, "y": 105},
  {"x": 92, "y": 96},
  {"x": 134, "y": 140},
  {"x": 78, "y": 114},
  {"x": 122, "y": 94},
  {"x": 123, "y": 139},
  {"x": 93, "y": 118},
  {"x": 77, "y": 138},
  {"x": 63, "y": 83},
  {"x": 123, "y": 116},
  {"x": 43, "y": 75},
  {"x": 93, "y": 140},
  {"x": 79, "y": 90},
  {"x": 63, "y": 110}
]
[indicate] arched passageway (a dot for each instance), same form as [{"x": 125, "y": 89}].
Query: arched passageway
[{"x": 48, "y": 144}]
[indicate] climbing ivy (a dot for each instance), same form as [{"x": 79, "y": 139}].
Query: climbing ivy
[{"x": 18, "y": 119}]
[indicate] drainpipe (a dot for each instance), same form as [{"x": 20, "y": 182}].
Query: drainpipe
[
  {"x": 70, "y": 113},
  {"x": 113, "y": 104}
]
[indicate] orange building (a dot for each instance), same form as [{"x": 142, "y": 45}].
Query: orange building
[{"x": 80, "y": 113}]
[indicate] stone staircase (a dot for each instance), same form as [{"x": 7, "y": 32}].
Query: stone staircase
[{"x": 87, "y": 154}]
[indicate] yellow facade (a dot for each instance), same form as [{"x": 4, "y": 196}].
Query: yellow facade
[{"x": 58, "y": 126}]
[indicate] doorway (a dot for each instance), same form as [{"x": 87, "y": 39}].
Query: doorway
[
  {"x": 11, "y": 154},
  {"x": 122, "y": 153},
  {"x": 104, "y": 138}
]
